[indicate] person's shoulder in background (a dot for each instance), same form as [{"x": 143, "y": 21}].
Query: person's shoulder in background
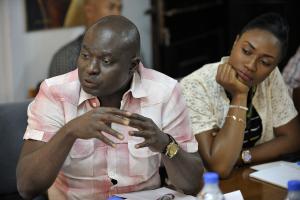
[
  {"x": 291, "y": 72},
  {"x": 291, "y": 76},
  {"x": 64, "y": 60}
]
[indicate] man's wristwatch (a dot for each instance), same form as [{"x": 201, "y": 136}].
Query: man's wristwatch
[
  {"x": 246, "y": 156},
  {"x": 172, "y": 148}
]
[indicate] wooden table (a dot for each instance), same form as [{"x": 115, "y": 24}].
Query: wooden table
[{"x": 251, "y": 189}]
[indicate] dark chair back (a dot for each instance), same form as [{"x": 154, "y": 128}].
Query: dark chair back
[{"x": 13, "y": 122}]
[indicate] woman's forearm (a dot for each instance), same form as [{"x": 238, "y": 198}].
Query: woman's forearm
[{"x": 227, "y": 144}]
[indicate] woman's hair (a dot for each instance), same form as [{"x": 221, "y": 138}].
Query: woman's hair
[{"x": 273, "y": 23}]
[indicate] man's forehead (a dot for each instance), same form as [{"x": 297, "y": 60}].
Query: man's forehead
[
  {"x": 102, "y": 34},
  {"x": 104, "y": 43},
  {"x": 101, "y": 2}
]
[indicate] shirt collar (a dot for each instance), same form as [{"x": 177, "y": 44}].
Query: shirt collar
[
  {"x": 137, "y": 87},
  {"x": 83, "y": 96}
]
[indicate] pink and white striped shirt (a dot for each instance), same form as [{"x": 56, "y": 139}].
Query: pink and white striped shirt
[{"x": 91, "y": 164}]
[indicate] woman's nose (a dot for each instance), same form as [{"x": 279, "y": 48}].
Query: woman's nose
[{"x": 251, "y": 64}]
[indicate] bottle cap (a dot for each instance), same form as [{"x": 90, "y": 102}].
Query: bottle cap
[
  {"x": 115, "y": 198},
  {"x": 294, "y": 185},
  {"x": 211, "y": 177}
]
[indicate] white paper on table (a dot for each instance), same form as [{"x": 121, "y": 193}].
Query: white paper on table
[
  {"x": 271, "y": 164},
  {"x": 278, "y": 174},
  {"x": 157, "y": 193},
  {"x": 235, "y": 195}
]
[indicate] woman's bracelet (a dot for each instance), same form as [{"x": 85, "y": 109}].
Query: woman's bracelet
[
  {"x": 237, "y": 106},
  {"x": 236, "y": 119}
]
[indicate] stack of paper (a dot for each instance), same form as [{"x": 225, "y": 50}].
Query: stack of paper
[{"x": 277, "y": 173}]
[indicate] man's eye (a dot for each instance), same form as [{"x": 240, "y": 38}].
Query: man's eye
[
  {"x": 84, "y": 55},
  {"x": 106, "y": 61}
]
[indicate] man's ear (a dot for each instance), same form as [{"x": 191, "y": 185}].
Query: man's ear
[{"x": 135, "y": 64}]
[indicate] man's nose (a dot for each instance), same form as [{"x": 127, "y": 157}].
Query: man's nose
[{"x": 93, "y": 67}]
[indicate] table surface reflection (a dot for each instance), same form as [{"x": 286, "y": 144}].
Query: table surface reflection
[{"x": 251, "y": 189}]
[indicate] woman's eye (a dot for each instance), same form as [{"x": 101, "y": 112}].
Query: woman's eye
[
  {"x": 265, "y": 63},
  {"x": 246, "y": 51}
]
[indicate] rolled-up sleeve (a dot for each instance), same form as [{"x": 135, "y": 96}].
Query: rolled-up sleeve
[
  {"x": 45, "y": 115},
  {"x": 199, "y": 104}
]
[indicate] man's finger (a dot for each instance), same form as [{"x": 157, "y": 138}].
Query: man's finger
[
  {"x": 142, "y": 145},
  {"x": 112, "y": 132},
  {"x": 143, "y": 134},
  {"x": 104, "y": 139},
  {"x": 112, "y": 118}
]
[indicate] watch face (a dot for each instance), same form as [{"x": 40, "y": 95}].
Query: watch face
[
  {"x": 247, "y": 156},
  {"x": 172, "y": 149}
]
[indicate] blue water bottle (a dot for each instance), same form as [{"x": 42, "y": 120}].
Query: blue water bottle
[
  {"x": 293, "y": 190},
  {"x": 210, "y": 190}
]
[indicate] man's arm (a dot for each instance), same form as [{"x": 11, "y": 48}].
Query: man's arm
[
  {"x": 40, "y": 162},
  {"x": 184, "y": 169}
]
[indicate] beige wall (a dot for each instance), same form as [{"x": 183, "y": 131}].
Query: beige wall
[{"x": 25, "y": 56}]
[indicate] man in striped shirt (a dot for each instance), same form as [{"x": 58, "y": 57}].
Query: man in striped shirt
[{"x": 105, "y": 127}]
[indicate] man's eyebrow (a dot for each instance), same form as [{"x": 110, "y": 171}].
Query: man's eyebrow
[
  {"x": 107, "y": 53},
  {"x": 85, "y": 47}
]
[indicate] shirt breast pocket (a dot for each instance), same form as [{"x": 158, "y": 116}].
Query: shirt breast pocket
[
  {"x": 81, "y": 159},
  {"x": 142, "y": 162}
]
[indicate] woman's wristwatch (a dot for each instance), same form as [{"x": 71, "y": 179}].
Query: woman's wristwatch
[
  {"x": 172, "y": 148},
  {"x": 246, "y": 156}
]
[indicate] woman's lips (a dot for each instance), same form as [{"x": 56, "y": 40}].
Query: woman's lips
[{"x": 245, "y": 76}]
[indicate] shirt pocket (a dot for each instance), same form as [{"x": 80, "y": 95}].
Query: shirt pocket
[
  {"x": 142, "y": 162},
  {"x": 82, "y": 148},
  {"x": 81, "y": 159}
]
